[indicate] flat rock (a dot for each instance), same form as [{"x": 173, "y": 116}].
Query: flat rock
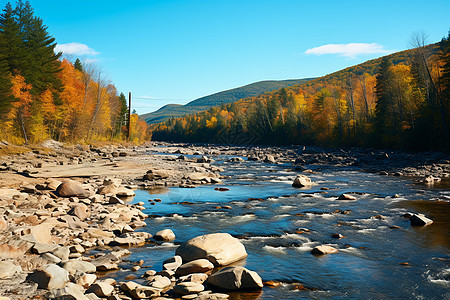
[
  {"x": 159, "y": 282},
  {"x": 39, "y": 248},
  {"x": 324, "y": 249},
  {"x": 186, "y": 288},
  {"x": 419, "y": 220},
  {"x": 219, "y": 248},
  {"x": 196, "y": 266},
  {"x": 8, "y": 269},
  {"x": 72, "y": 266},
  {"x": 236, "y": 278},
  {"x": 347, "y": 197}
]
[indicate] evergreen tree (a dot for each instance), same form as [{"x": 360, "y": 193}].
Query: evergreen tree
[
  {"x": 13, "y": 49},
  {"x": 382, "y": 110},
  {"x": 77, "y": 64},
  {"x": 5, "y": 81}
]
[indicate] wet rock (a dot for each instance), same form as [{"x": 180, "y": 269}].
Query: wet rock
[
  {"x": 337, "y": 236},
  {"x": 101, "y": 289},
  {"x": 172, "y": 263},
  {"x": 323, "y": 249},
  {"x": 219, "y": 248},
  {"x": 186, "y": 288},
  {"x": 419, "y": 220},
  {"x": 50, "y": 277},
  {"x": 72, "y": 266},
  {"x": 8, "y": 269},
  {"x": 71, "y": 291},
  {"x": 166, "y": 235},
  {"x": 302, "y": 181},
  {"x": 347, "y": 197},
  {"x": 236, "y": 278},
  {"x": 196, "y": 266},
  {"x": 72, "y": 188}
]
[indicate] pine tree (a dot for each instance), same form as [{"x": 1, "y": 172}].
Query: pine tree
[
  {"x": 382, "y": 110},
  {"x": 6, "y": 98},
  {"x": 78, "y": 66},
  {"x": 13, "y": 48}
]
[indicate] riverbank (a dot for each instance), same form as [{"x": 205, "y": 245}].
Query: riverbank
[{"x": 52, "y": 226}]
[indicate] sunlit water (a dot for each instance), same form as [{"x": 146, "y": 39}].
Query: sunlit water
[{"x": 370, "y": 262}]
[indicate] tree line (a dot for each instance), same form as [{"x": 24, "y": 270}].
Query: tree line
[
  {"x": 400, "y": 101},
  {"x": 43, "y": 96}
]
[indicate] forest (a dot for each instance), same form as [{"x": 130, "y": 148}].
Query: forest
[
  {"x": 400, "y": 101},
  {"x": 43, "y": 96}
]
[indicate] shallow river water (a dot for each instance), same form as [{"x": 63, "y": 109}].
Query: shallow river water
[{"x": 375, "y": 261}]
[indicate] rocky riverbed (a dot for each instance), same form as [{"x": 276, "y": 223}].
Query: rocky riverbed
[{"x": 65, "y": 219}]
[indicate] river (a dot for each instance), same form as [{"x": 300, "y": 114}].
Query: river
[{"x": 380, "y": 257}]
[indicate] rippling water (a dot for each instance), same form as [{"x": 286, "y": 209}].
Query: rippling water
[{"x": 372, "y": 256}]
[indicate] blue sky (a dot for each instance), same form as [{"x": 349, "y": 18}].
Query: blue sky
[{"x": 174, "y": 51}]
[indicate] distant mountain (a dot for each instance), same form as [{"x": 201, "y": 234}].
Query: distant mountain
[{"x": 224, "y": 97}]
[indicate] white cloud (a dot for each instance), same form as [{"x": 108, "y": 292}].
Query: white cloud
[
  {"x": 349, "y": 50},
  {"x": 75, "y": 49}
]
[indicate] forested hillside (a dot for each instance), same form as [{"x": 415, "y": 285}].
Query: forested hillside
[
  {"x": 42, "y": 96},
  {"x": 397, "y": 101},
  {"x": 224, "y": 97}
]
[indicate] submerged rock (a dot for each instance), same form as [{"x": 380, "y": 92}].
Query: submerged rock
[
  {"x": 347, "y": 197},
  {"x": 219, "y": 248}
]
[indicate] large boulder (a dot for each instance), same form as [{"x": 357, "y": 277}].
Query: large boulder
[
  {"x": 50, "y": 277},
  {"x": 219, "y": 248},
  {"x": 236, "y": 278},
  {"x": 72, "y": 188},
  {"x": 302, "y": 181},
  {"x": 8, "y": 269}
]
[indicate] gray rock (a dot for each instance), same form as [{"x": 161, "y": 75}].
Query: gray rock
[
  {"x": 219, "y": 248},
  {"x": 236, "y": 278},
  {"x": 50, "y": 277}
]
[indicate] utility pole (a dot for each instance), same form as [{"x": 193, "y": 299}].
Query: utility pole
[{"x": 129, "y": 116}]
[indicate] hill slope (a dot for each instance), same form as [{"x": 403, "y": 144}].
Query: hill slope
[{"x": 224, "y": 97}]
